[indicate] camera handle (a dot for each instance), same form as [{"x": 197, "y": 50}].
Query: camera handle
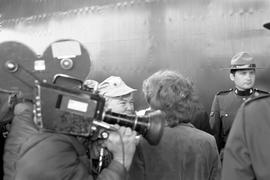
[
  {"x": 100, "y": 159},
  {"x": 102, "y": 129},
  {"x": 14, "y": 67}
]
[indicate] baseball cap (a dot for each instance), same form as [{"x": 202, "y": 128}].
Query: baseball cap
[{"x": 114, "y": 86}]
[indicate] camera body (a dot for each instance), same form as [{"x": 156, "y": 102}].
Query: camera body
[
  {"x": 68, "y": 111},
  {"x": 81, "y": 112},
  {"x": 54, "y": 82}
]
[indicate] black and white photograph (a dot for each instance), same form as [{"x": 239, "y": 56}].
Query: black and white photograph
[{"x": 134, "y": 89}]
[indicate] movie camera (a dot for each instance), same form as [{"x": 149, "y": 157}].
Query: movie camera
[{"x": 62, "y": 104}]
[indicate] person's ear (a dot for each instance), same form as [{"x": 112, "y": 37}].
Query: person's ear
[{"x": 232, "y": 76}]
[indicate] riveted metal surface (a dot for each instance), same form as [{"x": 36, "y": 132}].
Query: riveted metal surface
[{"x": 135, "y": 38}]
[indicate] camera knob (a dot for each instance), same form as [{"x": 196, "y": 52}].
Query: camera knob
[
  {"x": 66, "y": 63},
  {"x": 104, "y": 135},
  {"x": 11, "y": 66}
]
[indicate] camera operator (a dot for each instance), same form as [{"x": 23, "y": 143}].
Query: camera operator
[{"x": 37, "y": 154}]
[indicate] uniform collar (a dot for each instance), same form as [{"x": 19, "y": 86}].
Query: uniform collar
[{"x": 246, "y": 92}]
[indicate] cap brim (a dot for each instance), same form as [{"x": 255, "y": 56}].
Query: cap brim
[
  {"x": 115, "y": 92},
  {"x": 228, "y": 68},
  {"x": 267, "y": 25}
]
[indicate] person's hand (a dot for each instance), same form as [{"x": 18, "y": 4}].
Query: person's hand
[
  {"x": 123, "y": 147},
  {"x": 21, "y": 107}
]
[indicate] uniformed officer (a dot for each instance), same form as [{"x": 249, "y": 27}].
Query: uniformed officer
[{"x": 226, "y": 103}]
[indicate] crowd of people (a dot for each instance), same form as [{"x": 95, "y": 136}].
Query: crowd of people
[{"x": 228, "y": 144}]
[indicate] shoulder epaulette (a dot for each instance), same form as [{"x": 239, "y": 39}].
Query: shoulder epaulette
[
  {"x": 225, "y": 91},
  {"x": 261, "y": 91},
  {"x": 257, "y": 98}
]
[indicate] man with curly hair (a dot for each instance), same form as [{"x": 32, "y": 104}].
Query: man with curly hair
[{"x": 184, "y": 151}]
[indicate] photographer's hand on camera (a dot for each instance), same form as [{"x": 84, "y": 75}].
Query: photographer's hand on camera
[{"x": 122, "y": 143}]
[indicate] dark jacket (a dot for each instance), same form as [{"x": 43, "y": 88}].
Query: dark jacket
[
  {"x": 22, "y": 128},
  {"x": 223, "y": 111},
  {"x": 246, "y": 154},
  {"x": 31, "y": 154},
  {"x": 184, "y": 153},
  {"x": 58, "y": 157}
]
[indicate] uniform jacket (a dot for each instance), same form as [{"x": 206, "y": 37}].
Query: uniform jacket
[
  {"x": 246, "y": 154},
  {"x": 223, "y": 111},
  {"x": 201, "y": 121},
  {"x": 184, "y": 153}
]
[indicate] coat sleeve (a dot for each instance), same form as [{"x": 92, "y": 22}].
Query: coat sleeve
[
  {"x": 115, "y": 171},
  {"x": 237, "y": 162},
  {"x": 137, "y": 168},
  {"x": 216, "y": 163},
  {"x": 216, "y": 123},
  {"x": 22, "y": 128}
]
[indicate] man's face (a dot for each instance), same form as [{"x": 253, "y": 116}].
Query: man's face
[
  {"x": 121, "y": 104},
  {"x": 243, "y": 79}
]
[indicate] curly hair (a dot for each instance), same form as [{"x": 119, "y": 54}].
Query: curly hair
[{"x": 172, "y": 93}]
